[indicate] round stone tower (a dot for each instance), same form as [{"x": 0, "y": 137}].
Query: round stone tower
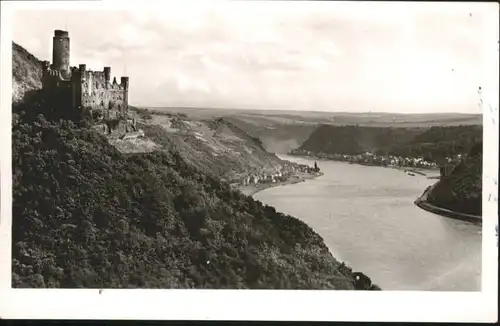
[{"x": 60, "y": 51}]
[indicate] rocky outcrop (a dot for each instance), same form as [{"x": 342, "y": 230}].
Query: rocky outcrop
[{"x": 26, "y": 73}]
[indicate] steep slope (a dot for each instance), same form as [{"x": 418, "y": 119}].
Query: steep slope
[
  {"x": 461, "y": 190},
  {"x": 26, "y": 72},
  {"x": 214, "y": 146}
]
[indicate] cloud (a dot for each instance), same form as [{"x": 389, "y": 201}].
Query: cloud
[{"x": 321, "y": 55}]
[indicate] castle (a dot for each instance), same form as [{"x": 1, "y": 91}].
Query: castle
[{"x": 86, "y": 91}]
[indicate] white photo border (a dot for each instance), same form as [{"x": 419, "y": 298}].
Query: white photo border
[{"x": 251, "y": 304}]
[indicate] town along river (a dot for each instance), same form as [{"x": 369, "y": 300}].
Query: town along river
[{"x": 368, "y": 219}]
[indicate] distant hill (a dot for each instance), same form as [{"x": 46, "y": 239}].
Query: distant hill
[
  {"x": 354, "y": 140},
  {"x": 461, "y": 190},
  {"x": 276, "y": 137},
  {"x": 439, "y": 142},
  {"x": 284, "y": 130},
  {"x": 434, "y": 144}
]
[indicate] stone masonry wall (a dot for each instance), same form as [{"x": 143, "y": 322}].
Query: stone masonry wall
[{"x": 100, "y": 95}]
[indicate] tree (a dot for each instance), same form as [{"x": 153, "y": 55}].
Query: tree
[{"x": 316, "y": 168}]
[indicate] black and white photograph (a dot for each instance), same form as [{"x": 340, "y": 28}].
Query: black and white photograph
[{"x": 333, "y": 155}]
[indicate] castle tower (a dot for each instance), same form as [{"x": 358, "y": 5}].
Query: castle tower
[
  {"x": 124, "y": 82},
  {"x": 60, "y": 50},
  {"x": 107, "y": 75},
  {"x": 82, "y": 68}
]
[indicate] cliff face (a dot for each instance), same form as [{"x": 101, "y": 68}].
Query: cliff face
[
  {"x": 26, "y": 72},
  {"x": 87, "y": 215},
  {"x": 461, "y": 190}
]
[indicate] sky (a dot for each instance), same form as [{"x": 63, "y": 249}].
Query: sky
[{"x": 300, "y": 55}]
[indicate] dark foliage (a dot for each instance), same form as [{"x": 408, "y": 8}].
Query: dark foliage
[
  {"x": 85, "y": 215},
  {"x": 353, "y": 140},
  {"x": 437, "y": 143},
  {"x": 433, "y": 144},
  {"x": 461, "y": 191}
]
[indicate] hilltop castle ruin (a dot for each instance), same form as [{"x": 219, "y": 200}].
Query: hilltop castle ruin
[{"x": 86, "y": 91}]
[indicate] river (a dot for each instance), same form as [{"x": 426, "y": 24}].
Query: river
[{"x": 367, "y": 218}]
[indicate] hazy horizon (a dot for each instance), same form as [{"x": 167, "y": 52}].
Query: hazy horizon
[
  {"x": 307, "y": 56},
  {"x": 303, "y": 110}
]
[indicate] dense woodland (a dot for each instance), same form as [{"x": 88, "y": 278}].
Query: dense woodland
[
  {"x": 85, "y": 215},
  {"x": 461, "y": 191},
  {"x": 433, "y": 144}
]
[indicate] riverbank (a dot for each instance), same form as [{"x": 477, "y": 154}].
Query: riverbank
[
  {"x": 427, "y": 206},
  {"x": 252, "y": 189},
  {"x": 423, "y": 171}
]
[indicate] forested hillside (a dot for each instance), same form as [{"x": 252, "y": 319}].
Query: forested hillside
[
  {"x": 433, "y": 144},
  {"x": 437, "y": 143},
  {"x": 461, "y": 191}
]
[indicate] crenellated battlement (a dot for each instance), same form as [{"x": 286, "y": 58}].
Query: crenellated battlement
[
  {"x": 102, "y": 79},
  {"x": 82, "y": 89}
]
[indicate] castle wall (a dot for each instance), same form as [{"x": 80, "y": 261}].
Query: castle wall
[
  {"x": 98, "y": 93},
  {"x": 59, "y": 92}
]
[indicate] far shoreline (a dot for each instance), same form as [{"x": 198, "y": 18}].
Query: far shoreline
[
  {"x": 251, "y": 190},
  {"x": 418, "y": 170}
]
